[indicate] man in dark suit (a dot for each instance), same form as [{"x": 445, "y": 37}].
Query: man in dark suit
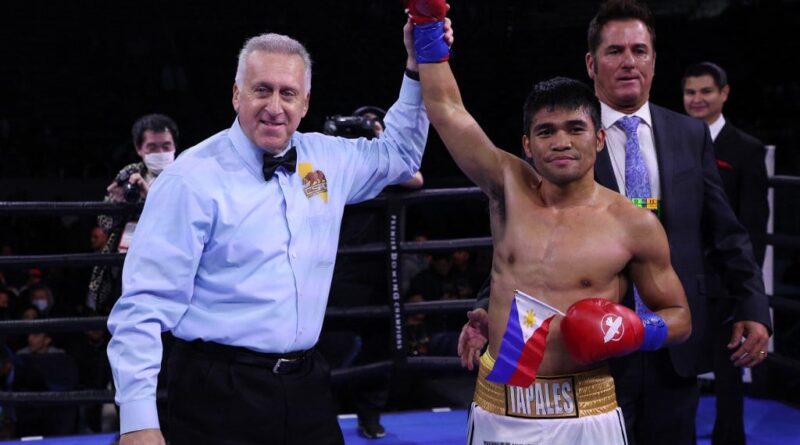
[
  {"x": 740, "y": 161},
  {"x": 658, "y": 390},
  {"x": 740, "y": 157}
]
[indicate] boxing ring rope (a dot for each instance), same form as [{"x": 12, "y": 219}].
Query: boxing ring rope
[
  {"x": 784, "y": 180},
  {"x": 395, "y": 205},
  {"x": 67, "y": 208},
  {"x": 73, "y": 324}
]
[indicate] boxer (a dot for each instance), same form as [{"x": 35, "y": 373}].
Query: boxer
[{"x": 562, "y": 238}]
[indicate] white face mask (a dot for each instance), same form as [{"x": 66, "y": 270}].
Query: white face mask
[
  {"x": 157, "y": 162},
  {"x": 40, "y": 304}
]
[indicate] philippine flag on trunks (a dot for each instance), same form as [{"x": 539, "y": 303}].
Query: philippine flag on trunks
[{"x": 523, "y": 343}]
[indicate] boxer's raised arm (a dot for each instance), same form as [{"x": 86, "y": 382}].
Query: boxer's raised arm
[{"x": 470, "y": 147}]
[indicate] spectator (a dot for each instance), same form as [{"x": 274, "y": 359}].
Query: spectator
[
  {"x": 29, "y": 312},
  {"x": 466, "y": 278},
  {"x": 437, "y": 281},
  {"x": 34, "y": 277},
  {"x": 94, "y": 371},
  {"x": 155, "y": 140},
  {"x": 97, "y": 239},
  {"x": 7, "y": 300},
  {"x": 40, "y": 343},
  {"x": 417, "y": 330},
  {"x": 43, "y": 367},
  {"x": 8, "y": 416},
  {"x": 361, "y": 280},
  {"x": 10, "y": 279},
  {"x": 413, "y": 263},
  {"x": 41, "y": 297}
]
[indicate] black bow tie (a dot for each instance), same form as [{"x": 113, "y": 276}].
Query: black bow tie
[{"x": 271, "y": 163}]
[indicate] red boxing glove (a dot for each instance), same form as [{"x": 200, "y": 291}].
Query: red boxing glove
[
  {"x": 426, "y": 11},
  {"x": 427, "y": 16},
  {"x": 595, "y": 329}
]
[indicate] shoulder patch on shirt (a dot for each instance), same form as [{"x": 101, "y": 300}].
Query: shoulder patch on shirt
[{"x": 314, "y": 181}]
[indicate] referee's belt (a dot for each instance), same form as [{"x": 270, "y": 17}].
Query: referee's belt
[
  {"x": 582, "y": 394},
  {"x": 278, "y": 363}
]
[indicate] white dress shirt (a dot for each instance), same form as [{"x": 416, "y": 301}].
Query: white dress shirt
[
  {"x": 716, "y": 127},
  {"x": 615, "y": 143}
]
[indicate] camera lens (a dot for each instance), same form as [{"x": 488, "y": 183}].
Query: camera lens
[
  {"x": 122, "y": 178},
  {"x": 130, "y": 192}
]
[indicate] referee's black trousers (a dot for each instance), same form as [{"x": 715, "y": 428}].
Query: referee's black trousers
[{"x": 222, "y": 395}]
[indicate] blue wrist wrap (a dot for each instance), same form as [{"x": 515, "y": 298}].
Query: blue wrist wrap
[
  {"x": 429, "y": 43},
  {"x": 655, "y": 331}
]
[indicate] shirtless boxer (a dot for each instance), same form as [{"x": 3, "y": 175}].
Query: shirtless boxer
[{"x": 562, "y": 238}]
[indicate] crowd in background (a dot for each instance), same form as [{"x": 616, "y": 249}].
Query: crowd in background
[
  {"x": 74, "y": 361},
  {"x": 37, "y": 145}
]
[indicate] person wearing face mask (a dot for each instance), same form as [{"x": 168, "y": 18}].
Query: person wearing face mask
[
  {"x": 41, "y": 297},
  {"x": 154, "y": 138}
]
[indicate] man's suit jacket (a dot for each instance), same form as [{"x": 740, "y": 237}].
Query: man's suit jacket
[
  {"x": 740, "y": 161},
  {"x": 697, "y": 217}
]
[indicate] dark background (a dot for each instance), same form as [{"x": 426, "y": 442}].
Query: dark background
[{"x": 75, "y": 75}]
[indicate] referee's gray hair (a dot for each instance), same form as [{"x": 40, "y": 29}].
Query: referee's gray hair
[{"x": 276, "y": 44}]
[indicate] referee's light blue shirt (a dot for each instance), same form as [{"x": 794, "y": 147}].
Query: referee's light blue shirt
[{"x": 222, "y": 255}]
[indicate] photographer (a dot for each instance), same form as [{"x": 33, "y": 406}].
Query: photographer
[
  {"x": 154, "y": 138},
  {"x": 366, "y": 121},
  {"x": 360, "y": 281}
]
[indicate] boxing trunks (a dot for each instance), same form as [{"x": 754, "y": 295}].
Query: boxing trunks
[{"x": 565, "y": 409}]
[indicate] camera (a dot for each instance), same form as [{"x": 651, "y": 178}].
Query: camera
[
  {"x": 130, "y": 192},
  {"x": 350, "y": 126}
]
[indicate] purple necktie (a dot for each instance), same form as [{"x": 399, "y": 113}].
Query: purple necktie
[{"x": 637, "y": 179}]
